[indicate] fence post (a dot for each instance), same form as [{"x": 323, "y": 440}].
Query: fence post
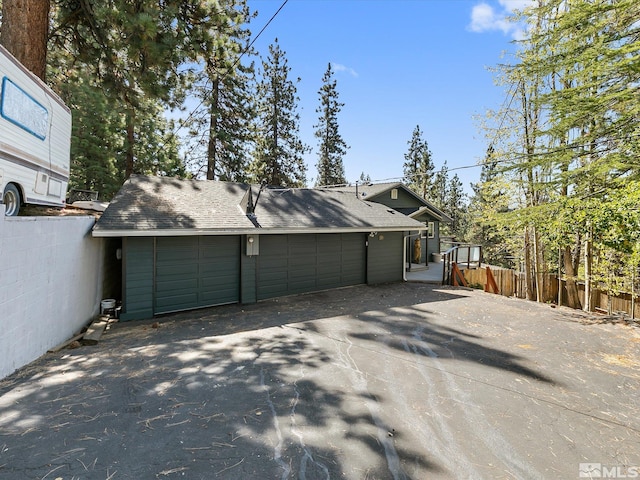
[
  {"x": 456, "y": 275},
  {"x": 491, "y": 282}
]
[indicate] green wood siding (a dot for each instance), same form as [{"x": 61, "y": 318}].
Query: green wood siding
[
  {"x": 137, "y": 279},
  {"x": 248, "y": 291},
  {"x": 193, "y": 272},
  {"x": 404, "y": 200},
  {"x": 384, "y": 258},
  {"x": 290, "y": 264}
]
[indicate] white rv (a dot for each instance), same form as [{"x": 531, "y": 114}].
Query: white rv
[{"x": 35, "y": 139}]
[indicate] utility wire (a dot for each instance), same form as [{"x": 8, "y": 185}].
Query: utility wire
[
  {"x": 244, "y": 51},
  {"x": 260, "y": 32},
  {"x": 511, "y": 158}
]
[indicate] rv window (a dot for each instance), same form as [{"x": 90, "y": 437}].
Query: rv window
[{"x": 20, "y": 108}]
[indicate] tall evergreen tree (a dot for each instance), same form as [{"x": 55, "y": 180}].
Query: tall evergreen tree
[
  {"x": 98, "y": 147},
  {"x": 364, "y": 178},
  {"x": 490, "y": 199},
  {"x": 456, "y": 208},
  {"x": 439, "y": 188},
  {"x": 136, "y": 49},
  {"x": 97, "y": 141},
  {"x": 418, "y": 166},
  {"x": 222, "y": 129},
  {"x": 279, "y": 150},
  {"x": 331, "y": 145}
]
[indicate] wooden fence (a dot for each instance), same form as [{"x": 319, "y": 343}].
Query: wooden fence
[{"x": 512, "y": 284}]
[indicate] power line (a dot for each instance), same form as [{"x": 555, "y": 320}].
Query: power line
[
  {"x": 244, "y": 51},
  {"x": 513, "y": 158},
  {"x": 260, "y": 32}
]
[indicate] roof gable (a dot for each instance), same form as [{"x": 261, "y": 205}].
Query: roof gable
[{"x": 405, "y": 201}]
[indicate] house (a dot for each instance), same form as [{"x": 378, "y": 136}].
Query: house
[
  {"x": 188, "y": 244},
  {"x": 401, "y": 198}
]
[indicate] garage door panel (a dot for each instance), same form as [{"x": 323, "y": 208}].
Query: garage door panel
[
  {"x": 176, "y": 302},
  {"x": 219, "y": 297},
  {"x": 177, "y": 270},
  {"x": 214, "y": 269},
  {"x": 167, "y": 285},
  {"x": 169, "y": 248},
  {"x": 219, "y": 282},
  {"x": 325, "y": 283},
  {"x": 194, "y": 272},
  {"x": 290, "y": 264}
]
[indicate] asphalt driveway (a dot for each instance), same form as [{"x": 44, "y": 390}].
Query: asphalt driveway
[{"x": 402, "y": 381}]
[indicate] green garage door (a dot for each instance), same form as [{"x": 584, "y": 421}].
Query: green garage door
[
  {"x": 193, "y": 272},
  {"x": 290, "y": 264}
]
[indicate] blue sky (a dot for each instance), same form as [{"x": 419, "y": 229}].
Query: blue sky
[{"x": 398, "y": 63}]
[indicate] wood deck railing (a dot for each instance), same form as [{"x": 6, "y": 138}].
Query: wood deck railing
[{"x": 464, "y": 255}]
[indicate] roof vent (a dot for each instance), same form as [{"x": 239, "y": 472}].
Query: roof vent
[{"x": 394, "y": 194}]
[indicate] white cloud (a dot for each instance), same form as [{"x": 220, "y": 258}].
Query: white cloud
[
  {"x": 342, "y": 68},
  {"x": 513, "y": 5},
  {"x": 486, "y": 18}
]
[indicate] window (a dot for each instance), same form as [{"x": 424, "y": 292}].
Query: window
[
  {"x": 394, "y": 194},
  {"x": 431, "y": 229},
  {"x": 21, "y": 109}
]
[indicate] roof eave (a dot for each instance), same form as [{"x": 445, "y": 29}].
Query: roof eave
[
  {"x": 100, "y": 233},
  {"x": 438, "y": 215}
]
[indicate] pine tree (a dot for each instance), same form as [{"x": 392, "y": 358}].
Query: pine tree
[
  {"x": 98, "y": 148},
  {"x": 439, "y": 188},
  {"x": 490, "y": 199},
  {"x": 133, "y": 61},
  {"x": 456, "y": 208},
  {"x": 418, "y": 166},
  {"x": 136, "y": 50},
  {"x": 222, "y": 130},
  {"x": 279, "y": 150},
  {"x": 364, "y": 178},
  {"x": 331, "y": 145},
  {"x": 97, "y": 141}
]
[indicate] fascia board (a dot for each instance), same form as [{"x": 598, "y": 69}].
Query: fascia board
[{"x": 255, "y": 231}]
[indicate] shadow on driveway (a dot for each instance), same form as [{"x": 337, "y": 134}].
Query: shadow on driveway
[{"x": 358, "y": 383}]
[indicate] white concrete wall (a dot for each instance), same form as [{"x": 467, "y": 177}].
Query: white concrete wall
[{"x": 50, "y": 284}]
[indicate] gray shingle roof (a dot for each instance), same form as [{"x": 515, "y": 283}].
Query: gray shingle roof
[
  {"x": 320, "y": 208},
  {"x": 372, "y": 190},
  {"x": 368, "y": 191},
  {"x": 163, "y": 205}
]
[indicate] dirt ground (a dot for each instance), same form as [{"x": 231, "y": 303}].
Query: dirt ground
[{"x": 402, "y": 381}]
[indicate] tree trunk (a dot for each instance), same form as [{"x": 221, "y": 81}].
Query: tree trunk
[
  {"x": 128, "y": 168},
  {"x": 588, "y": 262},
  {"x": 573, "y": 300},
  {"x": 528, "y": 273},
  {"x": 539, "y": 267},
  {"x": 24, "y": 32},
  {"x": 213, "y": 131}
]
